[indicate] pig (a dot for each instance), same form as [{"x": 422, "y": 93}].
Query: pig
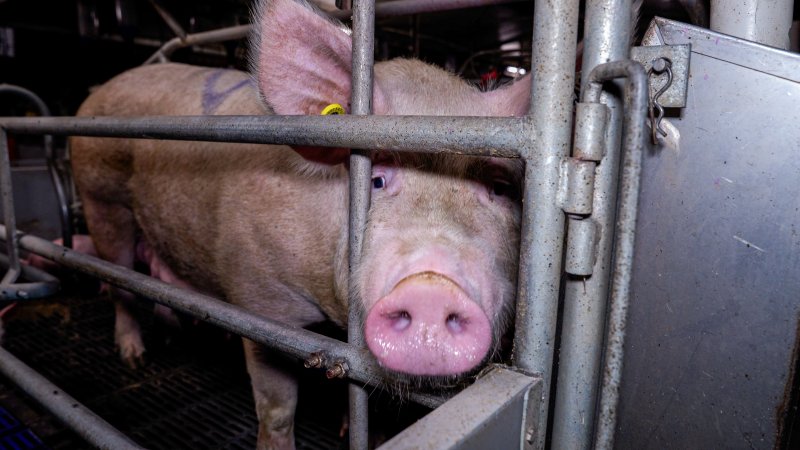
[{"x": 265, "y": 226}]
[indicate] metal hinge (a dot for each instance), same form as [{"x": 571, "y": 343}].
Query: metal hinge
[{"x": 576, "y": 190}]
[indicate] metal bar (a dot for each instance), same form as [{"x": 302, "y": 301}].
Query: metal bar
[
  {"x": 542, "y": 240},
  {"x": 765, "y": 22},
  {"x": 205, "y": 37},
  {"x": 9, "y": 217},
  {"x": 291, "y": 340},
  {"x": 490, "y": 414},
  {"x": 42, "y": 284},
  {"x": 360, "y": 175},
  {"x": 63, "y": 205},
  {"x": 480, "y": 136},
  {"x": 387, "y": 9},
  {"x": 636, "y": 100},
  {"x": 606, "y": 38},
  {"x": 408, "y": 7},
  {"x": 87, "y": 424},
  {"x": 168, "y": 19}
]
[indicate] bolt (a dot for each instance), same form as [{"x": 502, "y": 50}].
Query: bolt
[
  {"x": 337, "y": 371},
  {"x": 314, "y": 361},
  {"x": 660, "y": 65}
]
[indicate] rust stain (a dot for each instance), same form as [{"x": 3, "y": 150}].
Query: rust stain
[{"x": 787, "y": 413}]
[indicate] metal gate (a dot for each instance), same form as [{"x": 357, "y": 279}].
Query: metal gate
[{"x": 508, "y": 407}]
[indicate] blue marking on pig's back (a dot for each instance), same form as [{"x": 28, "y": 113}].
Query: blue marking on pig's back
[{"x": 213, "y": 96}]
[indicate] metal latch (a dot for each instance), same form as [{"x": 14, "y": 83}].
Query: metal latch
[{"x": 667, "y": 69}]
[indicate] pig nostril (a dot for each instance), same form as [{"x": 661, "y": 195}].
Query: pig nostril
[
  {"x": 400, "y": 320},
  {"x": 455, "y": 323}
]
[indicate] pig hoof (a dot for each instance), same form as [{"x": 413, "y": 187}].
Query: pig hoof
[{"x": 131, "y": 350}]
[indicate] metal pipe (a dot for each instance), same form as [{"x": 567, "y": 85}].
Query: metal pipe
[
  {"x": 291, "y": 340},
  {"x": 41, "y": 284},
  {"x": 636, "y": 101},
  {"x": 168, "y": 19},
  {"x": 408, "y": 7},
  {"x": 205, "y": 37},
  {"x": 765, "y": 22},
  {"x": 9, "y": 217},
  {"x": 542, "y": 240},
  {"x": 55, "y": 177},
  {"x": 387, "y": 9},
  {"x": 480, "y": 136},
  {"x": 294, "y": 341},
  {"x": 606, "y": 38},
  {"x": 87, "y": 424},
  {"x": 360, "y": 175}
]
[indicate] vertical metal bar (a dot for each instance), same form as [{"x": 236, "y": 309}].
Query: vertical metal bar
[
  {"x": 636, "y": 100},
  {"x": 87, "y": 424},
  {"x": 9, "y": 218},
  {"x": 606, "y": 38},
  {"x": 63, "y": 204},
  {"x": 762, "y": 21},
  {"x": 555, "y": 27},
  {"x": 360, "y": 175}
]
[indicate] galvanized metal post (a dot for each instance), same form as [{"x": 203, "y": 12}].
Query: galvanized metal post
[
  {"x": 606, "y": 38},
  {"x": 84, "y": 422},
  {"x": 553, "y": 67},
  {"x": 360, "y": 175},
  {"x": 636, "y": 99},
  {"x": 765, "y": 22},
  {"x": 9, "y": 218}
]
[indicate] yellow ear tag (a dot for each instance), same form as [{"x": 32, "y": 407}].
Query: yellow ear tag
[{"x": 333, "y": 109}]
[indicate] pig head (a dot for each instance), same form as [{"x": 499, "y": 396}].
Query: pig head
[
  {"x": 265, "y": 227},
  {"x": 438, "y": 268}
]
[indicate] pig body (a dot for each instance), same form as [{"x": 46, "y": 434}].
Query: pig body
[{"x": 265, "y": 227}]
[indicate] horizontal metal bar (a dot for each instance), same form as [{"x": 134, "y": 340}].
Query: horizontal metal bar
[
  {"x": 87, "y": 424},
  {"x": 294, "y": 341},
  {"x": 490, "y": 414},
  {"x": 407, "y": 7},
  {"x": 41, "y": 284},
  {"x": 482, "y": 136},
  {"x": 205, "y": 37}
]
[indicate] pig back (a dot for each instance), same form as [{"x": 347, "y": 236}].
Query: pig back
[{"x": 240, "y": 221}]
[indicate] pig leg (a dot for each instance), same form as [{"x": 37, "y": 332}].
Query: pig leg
[
  {"x": 113, "y": 230},
  {"x": 275, "y": 393}
]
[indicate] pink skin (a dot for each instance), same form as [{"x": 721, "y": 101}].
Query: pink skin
[
  {"x": 427, "y": 325},
  {"x": 430, "y": 307}
]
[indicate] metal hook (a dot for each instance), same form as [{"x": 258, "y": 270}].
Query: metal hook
[{"x": 659, "y": 66}]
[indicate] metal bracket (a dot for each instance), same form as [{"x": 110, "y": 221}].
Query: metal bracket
[{"x": 679, "y": 56}]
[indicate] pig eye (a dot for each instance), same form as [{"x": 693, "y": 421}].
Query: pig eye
[
  {"x": 503, "y": 188},
  {"x": 379, "y": 182}
]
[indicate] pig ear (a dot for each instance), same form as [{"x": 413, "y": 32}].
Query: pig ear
[
  {"x": 301, "y": 59},
  {"x": 302, "y": 63},
  {"x": 510, "y": 100}
]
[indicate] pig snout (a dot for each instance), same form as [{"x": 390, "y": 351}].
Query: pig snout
[{"x": 428, "y": 325}]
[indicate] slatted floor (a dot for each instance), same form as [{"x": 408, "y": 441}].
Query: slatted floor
[{"x": 194, "y": 393}]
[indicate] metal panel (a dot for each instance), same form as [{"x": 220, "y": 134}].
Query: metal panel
[
  {"x": 714, "y": 315},
  {"x": 489, "y": 414}
]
